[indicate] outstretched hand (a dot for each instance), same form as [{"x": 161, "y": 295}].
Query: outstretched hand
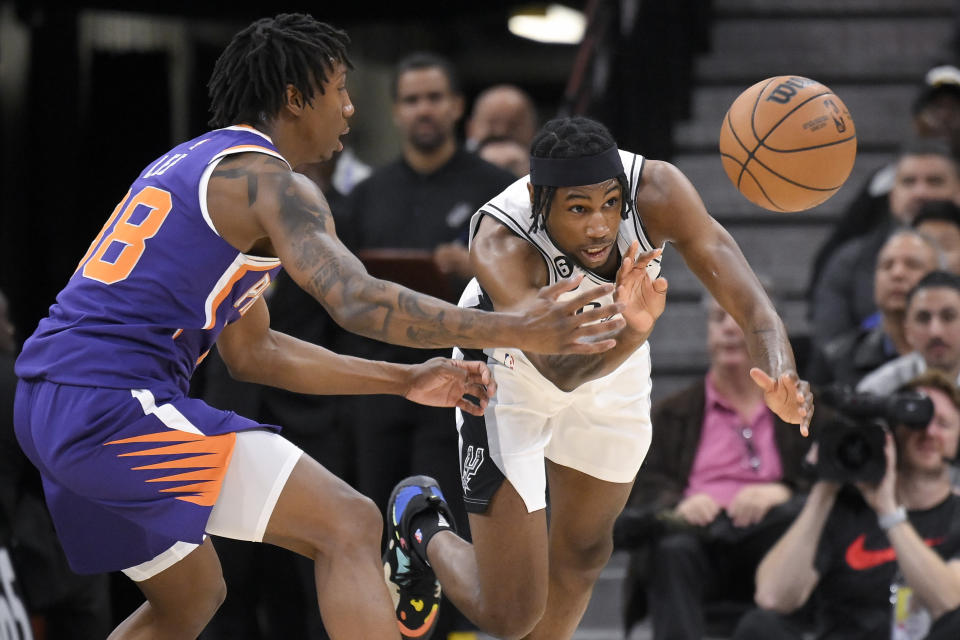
[
  {"x": 787, "y": 396},
  {"x": 644, "y": 298},
  {"x": 443, "y": 382},
  {"x": 553, "y": 326}
]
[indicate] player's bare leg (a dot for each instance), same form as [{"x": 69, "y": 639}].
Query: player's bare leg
[
  {"x": 321, "y": 517},
  {"x": 180, "y": 600},
  {"x": 500, "y": 581},
  {"x": 582, "y": 512}
]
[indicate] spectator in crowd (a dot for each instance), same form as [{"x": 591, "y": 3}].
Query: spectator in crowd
[
  {"x": 703, "y": 515},
  {"x": 931, "y": 328},
  {"x": 936, "y": 109},
  {"x": 421, "y": 200},
  {"x": 843, "y": 295},
  {"x": 507, "y": 154},
  {"x": 882, "y": 559},
  {"x": 940, "y": 220},
  {"x": 936, "y": 114},
  {"x": 424, "y": 198},
  {"x": 905, "y": 257},
  {"x": 502, "y": 111}
]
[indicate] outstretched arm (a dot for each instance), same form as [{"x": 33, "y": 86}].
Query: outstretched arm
[
  {"x": 254, "y": 198},
  {"x": 673, "y": 212},
  {"x": 511, "y": 271},
  {"x": 255, "y": 353}
]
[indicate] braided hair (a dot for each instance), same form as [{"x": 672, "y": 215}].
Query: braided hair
[
  {"x": 250, "y": 77},
  {"x": 572, "y": 137}
]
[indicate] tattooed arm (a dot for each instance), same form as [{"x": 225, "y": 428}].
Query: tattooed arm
[
  {"x": 255, "y": 353},
  {"x": 673, "y": 212},
  {"x": 258, "y": 205}
]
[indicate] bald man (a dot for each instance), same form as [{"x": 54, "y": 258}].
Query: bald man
[{"x": 502, "y": 111}]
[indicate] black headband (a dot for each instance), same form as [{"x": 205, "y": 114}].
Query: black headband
[{"x": 573, "y": 172}]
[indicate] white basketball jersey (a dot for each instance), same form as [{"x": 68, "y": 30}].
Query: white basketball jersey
[{"x": 512, "y": 208}]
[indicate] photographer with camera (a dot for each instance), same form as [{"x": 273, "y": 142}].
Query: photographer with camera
[
  {"x": 714, "y": 493},
  {"x": 881, "y": 561}
]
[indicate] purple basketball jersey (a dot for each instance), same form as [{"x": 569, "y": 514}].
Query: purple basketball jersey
[{"x": 157, "y": 285}]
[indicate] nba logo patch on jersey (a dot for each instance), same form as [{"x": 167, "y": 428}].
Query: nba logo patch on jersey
[{"x": 508, "y": 361}]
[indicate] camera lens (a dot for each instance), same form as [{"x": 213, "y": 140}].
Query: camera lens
[{"x": 853, "y": 451}]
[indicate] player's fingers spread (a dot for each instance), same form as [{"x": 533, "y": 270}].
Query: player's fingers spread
[
  {"x": 599, "y": 331},
  {"x": 805, "y": 423},
  {"x": 790, "y": 381},
  {"x": 647, "y": 256},
  {"x": 599, "y": 313},
  {"x": 562, "y": 286},
  {"x": 760, "y": 377},
  {"x": 591, "y": 346},
  {"x": 586, "y": 297},
  {"x": 626, "y": 265}
]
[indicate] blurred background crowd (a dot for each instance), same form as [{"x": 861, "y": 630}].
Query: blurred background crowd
[{"x": 868, "y": 283}]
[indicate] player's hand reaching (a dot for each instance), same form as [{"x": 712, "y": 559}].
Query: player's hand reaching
[
  {"x": 643, "y": 297},
  {"x": 787, "y": 396},
  {"x": 443, "y": 382},
  {"x": 550, "y": 326}
]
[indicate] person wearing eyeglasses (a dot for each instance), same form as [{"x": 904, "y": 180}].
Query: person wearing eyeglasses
[{"x": 713, "y": 494}]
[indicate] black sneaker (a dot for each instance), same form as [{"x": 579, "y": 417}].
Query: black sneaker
[{"x": 412, "y": 583}]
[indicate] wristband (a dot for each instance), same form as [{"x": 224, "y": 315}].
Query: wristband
[{"x": 888, "y": 520}]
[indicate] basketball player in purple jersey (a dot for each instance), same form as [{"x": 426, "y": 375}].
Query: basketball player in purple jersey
[{"x": 135, "y": 473}]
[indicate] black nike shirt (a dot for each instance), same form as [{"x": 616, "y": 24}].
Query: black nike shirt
[{"x": 857, "y": 565}]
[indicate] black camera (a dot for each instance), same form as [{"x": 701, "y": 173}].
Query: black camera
[{"x": 851, "y": 445}]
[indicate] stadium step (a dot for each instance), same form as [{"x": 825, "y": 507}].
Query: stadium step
[
  {"x": 831, "y": 50},
  {"x": 846, "y": 8}
]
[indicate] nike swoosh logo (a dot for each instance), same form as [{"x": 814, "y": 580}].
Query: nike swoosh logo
[{"x": 861, "y": 559}]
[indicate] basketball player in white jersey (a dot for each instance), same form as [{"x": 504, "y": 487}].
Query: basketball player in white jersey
[{"x": 579, "y": 423}]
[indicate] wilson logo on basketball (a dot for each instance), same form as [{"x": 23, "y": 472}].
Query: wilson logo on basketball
[{"x": 785, "y": 91}]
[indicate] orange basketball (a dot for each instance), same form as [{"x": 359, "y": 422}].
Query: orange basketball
[{"x": 788, "y": 143}]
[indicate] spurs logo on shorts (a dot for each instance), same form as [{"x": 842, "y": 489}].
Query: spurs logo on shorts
[
  {"x": 13, "y": 615},
  {"x": 471, "y": 463}
]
